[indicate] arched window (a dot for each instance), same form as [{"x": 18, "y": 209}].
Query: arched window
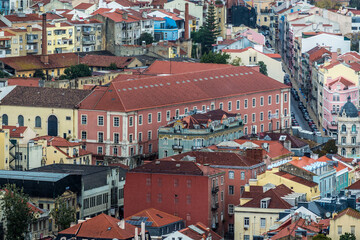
[
  {"x": 353, "y": 128},
  {"x": 353, "y": 151},
  {"x": 343, "y": 152},
  {"x": 5, "y": 119},
  {"x": 38, "y": 122},
  {"x": 343, "y": 128},
  {"x": 21, "y": 120}
]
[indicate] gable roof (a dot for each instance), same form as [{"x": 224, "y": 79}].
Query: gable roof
[
  {"x": 57, "y": 141},
  {"x": 105, "y": 61},
  {"x": 275, "y": 195},
  {"x": 341, "y": 79},
  {"x": 157, "y": 217},
  {"x": 317, "y": 53},
  {"x": 276, "y": 149},
  {"x": 295, "y": 142},
  {"x": 354, "y": 186},
  {"x": 30, "y": 82},
  {"x": 44, "y": 97},
  {"x": 100, "y": 227},
  {"x": 15, "y": 132},
  {"x": 297, "y": 179},
  {"x": 84, "y": 6},
  {"x": 349, "y": 211},
  {"x": 162, "y": 91},
  {"x": 191, "y": 232}
]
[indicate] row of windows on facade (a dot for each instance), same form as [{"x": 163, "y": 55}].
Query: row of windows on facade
[
  {"x": 20, "y": 121},
  {"x": 100, "y": 150},
  {"x": 353, "y": 128},
  {"x": 96, "y": 200},
  {"x": 116, "y": 120},
  {"x": 340, "y": 230}
]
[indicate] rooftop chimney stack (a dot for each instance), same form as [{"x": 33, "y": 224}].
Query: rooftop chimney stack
[
  {"x": 142, "y": 230},
  {"x": 44, "y": 57},
  {"x": 187, "y": 35}
]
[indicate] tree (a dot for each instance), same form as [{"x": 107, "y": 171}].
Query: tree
[
  {"x": 147, "y": 37},
  {"x": 328, "y": 4},
  {"x": 63, "y": 214},
  {"x": 321, "y": 237},
  {"x": 16, "y": 212},
  {"x": 4, "y": 74},
  {"x": 113, "y": 66},
  {"x": 348, "y": 236},
  {"x": 355, "y": 4},
  {"x": 212, "y": 57},
  {"x": 80, "y": 70},
  {"x": 355, "y": 38},
  {"x": 263, "y": 68},
  {"x": 208, "y": 32},
  {"x": 236, "y": 62},
  {"x": 39, "y": 74},
  {"x": 329, "y": 147}
]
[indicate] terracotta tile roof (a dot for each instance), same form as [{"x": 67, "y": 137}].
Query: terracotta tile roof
[
  {"x": 170, "y": 167},
  {"x": 312, "y": 228},
  {"x": 338, "y": 168},
  {"x": 26, "y": 18},
  {"x": 295, "y": 142},
  {"x": 83, "y": 152},
  {"x": 354, "y": 186},
  {"x": 355, "y": 66},
  {"x": 297, "y": 179},
  {"x": 218, "y": 158},
  {"x": 125, "y": 3},
  {"x": 353, "y": 54},
  {"x": 332, "y": 64},
  {"x": 302, "y": 161},
  {"x": 197, "y": 236},
  {"x": 44, "y": 97},
  {"x": 236, "y": 50},
  {"x": 119, "y": 16},
  {"x": 27, "y": 82},
  {"x": 350, "y": 212},
  {"x": 227, "y": 42},
  {"x": 105, "y": 61},
  {"x": 33, "y": 62},
  {"x": 84, "y": 6},
  {"x": 15, "y": 132},
  {"x": 344, "y": 81},
  {"x": 273, "y": 55},
  {"x": 275, "y": 195},
  {"x": 101, "y": 11},
  {"x": 100, "y": 227},
  {"x": 355, "y": 12},
  {"x": 254, "y": 191},
  {"x": 57, "y": 141},
  {"x": 317, "y": 53},
  {"x": 157, "y": 217},
  {"x": 34, "y": 208},
  {"x": 276, "y": 149},
  {"x": 158, "y": 3},
  {"x": 181, "y": 88}
]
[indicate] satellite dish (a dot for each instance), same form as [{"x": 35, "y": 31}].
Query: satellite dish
[{"x": 327, "y": 214}]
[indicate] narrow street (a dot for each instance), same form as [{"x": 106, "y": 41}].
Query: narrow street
[{"x": 298, "y": 114}]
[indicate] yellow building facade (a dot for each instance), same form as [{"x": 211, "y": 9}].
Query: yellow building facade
[
  {"x": 312, "y": 191},
  {"x": 346, "y": 221},
  {"x": 4, "y": 149},
  {"x": 60, "y": 38}
]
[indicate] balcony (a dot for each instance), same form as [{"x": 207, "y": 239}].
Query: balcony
[
  {"x": 88, "y": 32},
  {"x": 177, "y": 147},
  {"x": 333, "y": 123},
  {"x": 88, "y": 42},
  {"x": 196, "y": 147},
  {"x": 214, "y": 206},
  {"x": 333, "y": 112},
  {"x": 32, "y": 51},
  {"x": 354, "y": 132},
  {"x": 214, "y": 190}
]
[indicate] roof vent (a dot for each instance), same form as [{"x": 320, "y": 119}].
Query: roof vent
[{"x": 178, "y": 165}]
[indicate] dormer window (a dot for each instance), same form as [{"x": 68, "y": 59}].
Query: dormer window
[{"x": 265, "y": 203}]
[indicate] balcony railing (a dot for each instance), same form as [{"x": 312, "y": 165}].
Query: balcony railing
[
  {"x": 177, "y": 147},
  {"x": 333, "y": 112},
  {"x": 88, "y": 42},
  {"x": 215, "y": 189},
  {"x": 34, "y": 50},
  {"x": 196, "y": 147},
  {"x": 214, "y": 206},
  {"x": 333, "y": 123}
]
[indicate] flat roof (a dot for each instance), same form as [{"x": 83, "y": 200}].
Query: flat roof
[{"x": 32, "y": 176}]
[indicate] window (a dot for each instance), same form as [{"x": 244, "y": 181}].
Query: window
[
  {"x": 100, "y": 137},
  {"x": 254, "y": 102},
  {"x": 277, "y": 98},
  {"x": 269, "y": 100},
  {"x": 21, "y": 120},
  {"x": 131, "y": 122},
  {"x": 262, "y": 116},
  {"x": 253, "y": 117},
  {"x": 159, "y": 197},
  {"x": 159, "y": 116},
  {"x": 229, "y": 106},
  {"x": 140, "y": 137},
  {"x": 353, "y": 140},
  {"x": 150, "y": 148},
  {"x": 188, "y": 183},
  {"x": 222, "y": 196},
  {"x": 246, "y": 222},
  {"x": 353, "y": 128},
  {"x": 285, "y": 112},
  {"x": 339, "y": 230},
  {"x": 115, "y": 151},
  {"x": 149, "y": 118},
  {"x": 245, "y": 118},
  {"x": 167, "y": 115},
  {"x": 231, "y": 190},
  {"x": 352, "y": 229},
  {"x": 177, "y": 113},
  {"x": 5, "y": 119},
  {"x": 262, "y": 222},
  {"x": 188, "y": 199},
  {"x": 245, "y": 103},
  {"x": 140, "y": 119},
  {"x": 100, "y": 150},
  {"x": 186, "y": 110},
  {"x": 83, "y": 134},
  {"x": 231, "y": 174},
  {"x": 222, "y": 180},
  {"x": 100, "y": 120},
  {"x": 263, "y": 204},
  {"x": 246, "y": 237},
  {"x": 285, "y": 97},
  {"x": 238, "y": 105},
  {"x": 116, "y": 137},
  {"x": 262, "y": 128},
  {"x": 212, "y": 106},
  {"x": 249, "y": 59},
  {"x": 261, "y": 101},
  {"x": 221, "y": 106},
  {"x": 38, "y": 122},
  {"x": 83, "y": 119},
  {"x": 231, "y": 228},
  {"x": 343, "y": 128},
  {"x": 242, "y": 175},
  {"x": 68, "y": 118},
  {"x": 149, "y": 135},
  {"x": 231, "y": 209}
]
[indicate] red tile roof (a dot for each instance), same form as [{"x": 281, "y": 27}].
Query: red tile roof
[
  {"x": 101, "y": 11},
  {"x": 332, "y": 64},
  {"x": 100, "y": 227},
  {"x": 338, "y": 168},
  {"x": 192, "y": 234},
  {"x": 218, "y": 158},
  {"x": 354, "y": 186},
  {"x": 84, "y": 6},
  {"x": 29, "y": 82},
  {"x": 350, "y": 212},
  {"x": 157, "y": 217},
  {"x": 273, "y": 55},
  {"x": 317, "y": 53},
  {"x": 119, "y": 16},
  {"x": 105, "y": 61},
  {"x": 15, "y": 132},
  {"x": 57, "y": 141},
  {"x": 344, "y": 81},
  {"x": 125, "y": 3},
  {"x": 275, "y": 195},
  {"x": 276, "y": 149},
  {"x": 181, "y": 88},
  {"x": 26, "y": 18},
  {"x": 83, "y": 152},
  {"x": 355, "y": 66},
  {"x": 297, "y": 179},
  {"x": 288, "y": 231}
]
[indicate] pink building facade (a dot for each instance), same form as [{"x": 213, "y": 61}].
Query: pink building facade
[
  {"x": 336, "y": 92},
  {"x": 123, "y": 119}
]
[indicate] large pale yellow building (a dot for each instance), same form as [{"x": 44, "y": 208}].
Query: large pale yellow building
[
  {"x": 346, "y": 221},
  {"x": 48, "y": 111},
  {"x": 4, "y": 149},
  {"x": 60, "y": 37}
]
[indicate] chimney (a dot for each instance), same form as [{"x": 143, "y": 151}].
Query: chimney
[
  {"x": 44, "y": 57},
  {"x": 122, "y": 224},
  {"x": 142, "y": 230},
  {"x": 136, "y": 234},
  {"x": 187, "y": 35}
]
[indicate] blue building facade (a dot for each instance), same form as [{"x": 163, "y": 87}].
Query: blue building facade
[
  {"x": 166, "y": 29},
  {"x": 4, "y": 7}
]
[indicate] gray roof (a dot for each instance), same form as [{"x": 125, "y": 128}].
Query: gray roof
[
  {"x": 34, "y": 176},
  {"x": 350, "y": 110}
]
